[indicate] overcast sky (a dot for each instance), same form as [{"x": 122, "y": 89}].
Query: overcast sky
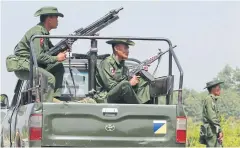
[{"x": 207, "y": 34}]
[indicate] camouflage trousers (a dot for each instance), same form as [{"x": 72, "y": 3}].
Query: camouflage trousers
[
  {"x": 123, "y": 92},
  {"x": 208, "y": 136},
  {"x": 212, "y": 141},
  {"x": 54, "y": 74}
]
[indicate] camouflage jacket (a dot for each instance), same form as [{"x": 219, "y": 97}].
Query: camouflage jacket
[
  {"x": 20, "y": 59},
  {"x": 41, "y": 45},
  {"x": 109, "y": 73},
  {"x": 210, "y": 112}
]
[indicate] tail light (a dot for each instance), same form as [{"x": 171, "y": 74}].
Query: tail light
[
  {"x": 181, "y": 130},
  {"x": 35, "y": 127}
]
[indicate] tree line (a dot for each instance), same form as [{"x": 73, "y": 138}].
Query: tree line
[{"x": 229, "y": 102}]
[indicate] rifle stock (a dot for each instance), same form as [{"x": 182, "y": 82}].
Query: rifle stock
[{"x": 90, "y": 30}]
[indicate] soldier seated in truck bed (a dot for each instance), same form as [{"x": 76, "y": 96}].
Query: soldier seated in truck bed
[{"x": 112, "y": 78}]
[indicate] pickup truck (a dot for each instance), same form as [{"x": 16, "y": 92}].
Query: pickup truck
[{"x": 29, "y": 123}]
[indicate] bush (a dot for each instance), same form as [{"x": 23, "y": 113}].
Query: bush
[
  {"x": 230, "y": 127},
  {"x": 193, "y": 130}
]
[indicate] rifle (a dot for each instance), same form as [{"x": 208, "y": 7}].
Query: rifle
[
  {"x": 140, "y": 67},
  {"x": 88, "y": 31}
]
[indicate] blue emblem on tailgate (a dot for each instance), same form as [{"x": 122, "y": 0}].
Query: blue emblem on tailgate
[{"x": 159, "y": 126}]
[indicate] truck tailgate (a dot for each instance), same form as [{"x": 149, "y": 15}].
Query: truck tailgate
[{"x": 103, "y": 125}]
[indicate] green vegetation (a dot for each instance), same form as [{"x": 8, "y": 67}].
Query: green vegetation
[
  {"x": 229, "y": 105},
  {"x": 231, "y": 131}
]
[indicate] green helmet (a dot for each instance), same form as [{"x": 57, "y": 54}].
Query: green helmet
[{"x": 48, "y": 11}]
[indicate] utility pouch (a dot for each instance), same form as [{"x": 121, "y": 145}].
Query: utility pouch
[
  {"x": 209, "y": 131},
  {"x": 205, "y": 132},
  {"x": 16, "y": 63},
  {"x": 202, "y": 137}
]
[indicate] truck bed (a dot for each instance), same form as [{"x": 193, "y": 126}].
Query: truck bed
[{"x": 108, "y": 125}]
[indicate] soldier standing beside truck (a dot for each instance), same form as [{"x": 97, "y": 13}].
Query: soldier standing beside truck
[
  {"x": 112, "y": 78},
  {"x": 211, "y": 133},
  {"x": 50, "y": 66}
]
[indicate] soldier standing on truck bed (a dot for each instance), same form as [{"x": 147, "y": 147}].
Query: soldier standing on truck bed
[
  {"x": 50, "y": 66},
  {"x": 112, "y": 80},
  {"x": 211, "y": 133}
]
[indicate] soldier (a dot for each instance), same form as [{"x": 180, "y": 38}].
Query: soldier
[
  {"x": 112, "y": 80},
  {"x": 211, "y": 132},
  {"x": 50, "y": 66}
]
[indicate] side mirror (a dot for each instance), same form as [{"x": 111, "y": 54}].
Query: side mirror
[{"x": 4, "y": 101}]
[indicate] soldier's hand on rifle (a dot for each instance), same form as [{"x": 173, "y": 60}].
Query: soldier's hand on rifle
[
  {"x": 61, "y": 56},
  {"x": 134, "y": 81},
  {"x": 220, "y": 138}
]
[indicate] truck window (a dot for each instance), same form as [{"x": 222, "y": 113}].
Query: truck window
[{"x": 81, "y": 82}]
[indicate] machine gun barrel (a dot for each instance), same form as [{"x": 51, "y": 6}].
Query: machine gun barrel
[
  {"x": 108, "y": 17},
  {"x": 88, "y": 31}
]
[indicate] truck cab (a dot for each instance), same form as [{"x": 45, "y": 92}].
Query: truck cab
[{"x": 30, "y": 123}]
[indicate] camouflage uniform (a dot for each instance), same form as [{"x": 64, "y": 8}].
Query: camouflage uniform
[
  {"x": 211, "y": 120},
  {"x": 48, "y": 65},
  {"x": 113, "y": 85}
]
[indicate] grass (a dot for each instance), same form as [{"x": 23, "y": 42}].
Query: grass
[{"x": 230, "y": 127}]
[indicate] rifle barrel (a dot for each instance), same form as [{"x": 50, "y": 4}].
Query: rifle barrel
[{"x": 121, "y": 8}]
